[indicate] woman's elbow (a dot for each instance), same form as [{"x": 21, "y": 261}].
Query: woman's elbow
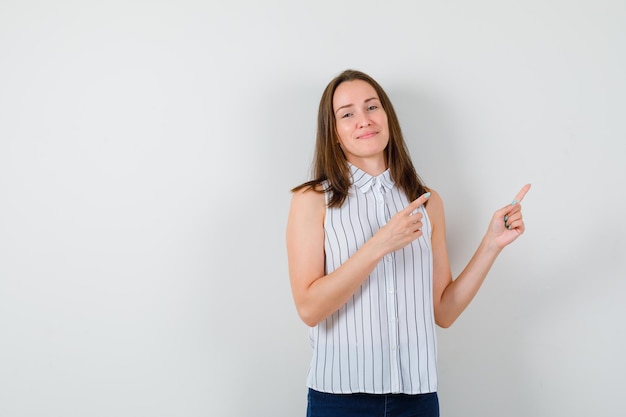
[
  {"x": 444, "y": 322},
  {"x": 308, "y": 316}
]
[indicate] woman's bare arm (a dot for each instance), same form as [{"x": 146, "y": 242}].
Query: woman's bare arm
[
  {"x": 451, "y": 297},
  {"x": 317, "y": 295}
]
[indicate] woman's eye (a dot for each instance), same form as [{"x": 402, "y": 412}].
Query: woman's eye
[
  {"x": 345, "y": 116},
  {"x": 372, "y": 107}
]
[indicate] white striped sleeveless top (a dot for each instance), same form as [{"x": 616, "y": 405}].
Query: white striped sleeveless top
[{"x": 383, "y": 339}]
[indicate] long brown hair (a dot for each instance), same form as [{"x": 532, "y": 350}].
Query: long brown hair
[{"x": 330, "y": 163}]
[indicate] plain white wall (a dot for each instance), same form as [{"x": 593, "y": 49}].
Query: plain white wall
[{"x": 147, "y": 149}]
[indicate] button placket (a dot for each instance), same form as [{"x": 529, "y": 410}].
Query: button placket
[{"x": 389, "y": 267}]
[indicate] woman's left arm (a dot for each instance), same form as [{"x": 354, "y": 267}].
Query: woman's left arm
[{"x": 450, "y": 296}]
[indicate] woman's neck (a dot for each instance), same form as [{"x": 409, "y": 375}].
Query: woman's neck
[{"x": 373, "y": 166}]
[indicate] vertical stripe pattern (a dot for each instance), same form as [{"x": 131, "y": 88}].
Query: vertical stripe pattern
[{"x": 383, "y": 339}]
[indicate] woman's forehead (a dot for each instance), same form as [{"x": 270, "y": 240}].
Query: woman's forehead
[{"x": 353, "y": 92}]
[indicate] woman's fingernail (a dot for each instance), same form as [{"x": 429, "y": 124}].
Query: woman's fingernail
[
  {"x": 514, "y": 202},
  {"x": 506, "y": 217},
  {"x": 427, "y": 195}
]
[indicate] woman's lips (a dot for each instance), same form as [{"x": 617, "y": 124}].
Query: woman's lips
[{"x": 367, "y": 135}]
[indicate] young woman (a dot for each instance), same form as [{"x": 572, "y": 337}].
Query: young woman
[{"x": 368, "y": 262}]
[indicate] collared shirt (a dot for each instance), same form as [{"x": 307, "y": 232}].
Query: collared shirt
[{"x": 383, "y": 339}]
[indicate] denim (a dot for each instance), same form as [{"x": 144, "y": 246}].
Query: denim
[{"x": 321, "y": 404}]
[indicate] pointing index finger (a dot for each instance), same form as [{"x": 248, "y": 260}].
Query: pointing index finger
[
  {"x": 521, "y": 194},
  {"x": 421, "y": 200}
]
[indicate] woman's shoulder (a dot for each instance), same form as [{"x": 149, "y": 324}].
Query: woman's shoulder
[
  {"x": 434, "y": 195},
  {"x": 309, "y": 198},
  {"x": 309, "y": 190},
  {"x": 434, "y": 206},
  {"x": 307, "y": 212}
]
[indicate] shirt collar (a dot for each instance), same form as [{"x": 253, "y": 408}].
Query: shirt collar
[{"x": 364, "y": 181}]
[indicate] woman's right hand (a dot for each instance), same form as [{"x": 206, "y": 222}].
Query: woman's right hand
[{"x": 403, "y": 228}]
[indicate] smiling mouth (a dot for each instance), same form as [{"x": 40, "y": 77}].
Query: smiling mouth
[{"x": 367, "y": 135}]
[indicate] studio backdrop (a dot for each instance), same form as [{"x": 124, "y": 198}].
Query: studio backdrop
[{"x": 147, "y": 150}]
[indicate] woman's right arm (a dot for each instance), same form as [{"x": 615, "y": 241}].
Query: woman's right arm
[{"x": 317, "y": 295}]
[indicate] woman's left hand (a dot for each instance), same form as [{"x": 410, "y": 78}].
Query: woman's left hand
[{"x": 507, "y": 223}]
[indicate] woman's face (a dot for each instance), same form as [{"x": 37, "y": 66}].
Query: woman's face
[{"x": 361, "y": 122}]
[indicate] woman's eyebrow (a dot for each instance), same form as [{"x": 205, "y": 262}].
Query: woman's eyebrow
[{"x": 350, "y": 105}]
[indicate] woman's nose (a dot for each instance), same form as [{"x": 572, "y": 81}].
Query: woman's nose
[{"x": 364, "y": 122}]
